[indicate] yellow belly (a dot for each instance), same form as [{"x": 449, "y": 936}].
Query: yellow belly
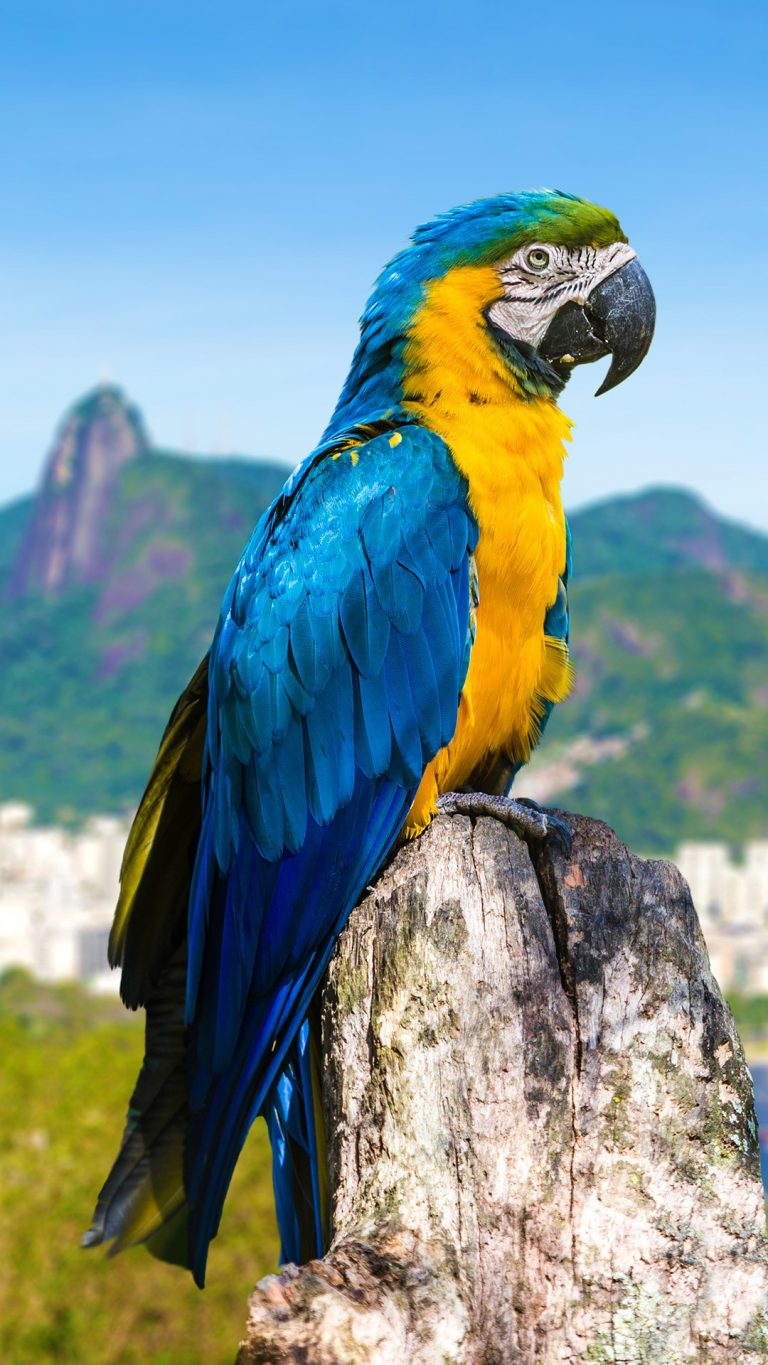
[
  {"x": 509, "y": 448},
  {"x": 514, "y": 667}
]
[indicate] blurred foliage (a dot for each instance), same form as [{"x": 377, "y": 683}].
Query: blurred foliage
[
  {"x": 69, "y": 1063},
  {"x": 750, "y": 1013}
]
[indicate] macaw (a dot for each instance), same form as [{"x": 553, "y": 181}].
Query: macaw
[{"x": 396, "y": 631}]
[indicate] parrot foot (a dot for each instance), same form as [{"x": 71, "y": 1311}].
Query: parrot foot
[{"x": 525, "y": 817}]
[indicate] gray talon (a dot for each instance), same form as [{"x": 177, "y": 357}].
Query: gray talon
[
  {"x": 524, "y": 817},
  {"x": 557, "y": 829}
]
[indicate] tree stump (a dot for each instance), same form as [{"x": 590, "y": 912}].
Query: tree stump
[{"x": 542, "y": 1138}]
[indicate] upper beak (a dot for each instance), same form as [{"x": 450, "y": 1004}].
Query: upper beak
[{"x": 617, "y": 320}]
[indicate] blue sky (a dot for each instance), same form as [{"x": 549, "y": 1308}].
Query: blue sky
[{"x": 195, "y": 199}]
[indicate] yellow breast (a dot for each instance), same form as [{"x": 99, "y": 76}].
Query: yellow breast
[{"x": 510, "y": 449}]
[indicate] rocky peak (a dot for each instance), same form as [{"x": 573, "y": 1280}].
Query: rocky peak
[{"x": 64, "y": 543}]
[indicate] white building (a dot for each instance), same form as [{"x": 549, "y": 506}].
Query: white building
[
  {"x": 731, "y": 899},
  {"x": 58, "y": 892},
  {"x": 57, "y": 896}
]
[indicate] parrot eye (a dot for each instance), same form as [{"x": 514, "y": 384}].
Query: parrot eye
[{"x": 537, "y": 258}]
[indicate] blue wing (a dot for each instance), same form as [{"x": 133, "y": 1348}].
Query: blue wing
[{"x": 334, "y": 678}]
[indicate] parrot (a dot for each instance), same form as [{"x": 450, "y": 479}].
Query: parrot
[{"x": 391, "y": 644}]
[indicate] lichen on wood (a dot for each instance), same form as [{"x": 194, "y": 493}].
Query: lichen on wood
[{"x": 541, "y": 1130}]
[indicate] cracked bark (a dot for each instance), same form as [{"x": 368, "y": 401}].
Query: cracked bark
[{"x": 542, "y": 1140}]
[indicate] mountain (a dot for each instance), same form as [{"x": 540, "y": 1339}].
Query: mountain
[
  {"x": 64, "y": 539},
  {"x": 665, "y": 735},
  {"x": 92, "y": 665},
  {"x": 662, "y": 529}
]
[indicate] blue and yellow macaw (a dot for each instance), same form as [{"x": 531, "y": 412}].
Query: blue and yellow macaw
[{"x": 396, "y": 629}]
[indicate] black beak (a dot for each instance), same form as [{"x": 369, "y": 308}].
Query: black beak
[{"x": 617, "y": 320}]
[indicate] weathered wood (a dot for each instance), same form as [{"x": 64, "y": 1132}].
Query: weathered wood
[{"x": 542, "y": 1136}]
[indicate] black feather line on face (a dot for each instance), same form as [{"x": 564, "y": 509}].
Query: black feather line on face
[{"x": 535, "y": 376}]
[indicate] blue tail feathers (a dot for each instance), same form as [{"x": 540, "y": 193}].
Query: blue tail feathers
[{"x": 270, "y": 1070}]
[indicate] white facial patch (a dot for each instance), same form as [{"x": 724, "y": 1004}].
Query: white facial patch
[{"x": 539, "y": 279}]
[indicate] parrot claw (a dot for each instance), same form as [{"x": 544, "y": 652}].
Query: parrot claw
[{"x": 525, "y": 817}]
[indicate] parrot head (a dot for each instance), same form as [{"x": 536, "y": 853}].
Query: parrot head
[
  {"x": 541, "y": 280},
  {"x": 574, "y": 291}
]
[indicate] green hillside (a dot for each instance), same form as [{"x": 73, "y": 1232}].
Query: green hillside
[
  {"x": 670, "y": 642},
  {"x": 13, "y": 522},
  {"x": 675, "y": 666},
  {"x": 662, "y": 529},
  {"x": 89, "y": 676}
]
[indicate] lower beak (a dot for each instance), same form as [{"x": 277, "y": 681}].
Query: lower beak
[{"x": 617, "y": 320}]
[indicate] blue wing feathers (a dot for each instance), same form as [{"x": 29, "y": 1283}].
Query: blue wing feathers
[
  {"x": 257, "y": 714},
  {"x": 381, "y": 528},
  {"x": 197, "y": 918},
  {"x": 300, "y": 698},
  {"x": 401, "y": 594},
  {"x": 443, "y": 659},
  {"x": 373, "y": 736},
  {"x": 227, "y": 1104},
  {"x": 265, "y": 806},
  {"x": 290, "y": 768},
  {"x": 280, "y": 707},
  {"x": 448, "y": 632},
  {"x": 324, "y": 775},
  {"x": 328, "y": 643},
  {"x": 402, "y": 711},
  {"x": 459, "y": 581},
  {"x": 334, "y": 678},
  {"x": 417, "y": 555},
  {"x": 274, "y": 651},
  {"x": 423, "y": 682},
  {"x": 291, "y": 1124},
  {"x": 225, "y": 802},
  {"x": 439, "y": 536},
  {"x": 306, "y": 646},
  {"x": 365, "y": 624},
  {"x": 458, "y": 536},
  {"x": 221, "y": 1010}
]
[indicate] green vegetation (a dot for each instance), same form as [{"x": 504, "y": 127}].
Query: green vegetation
[
  {"x": 670, "y": 606},
  {"x": 69, "y": 1063},
  {"x": 13, "y": 523},
  {"x": 676, "y": 664},
  {"x": 750, "y": 1013},
  {"x": 89, "y": 677},
  {"x": 661, "y": 529}
]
